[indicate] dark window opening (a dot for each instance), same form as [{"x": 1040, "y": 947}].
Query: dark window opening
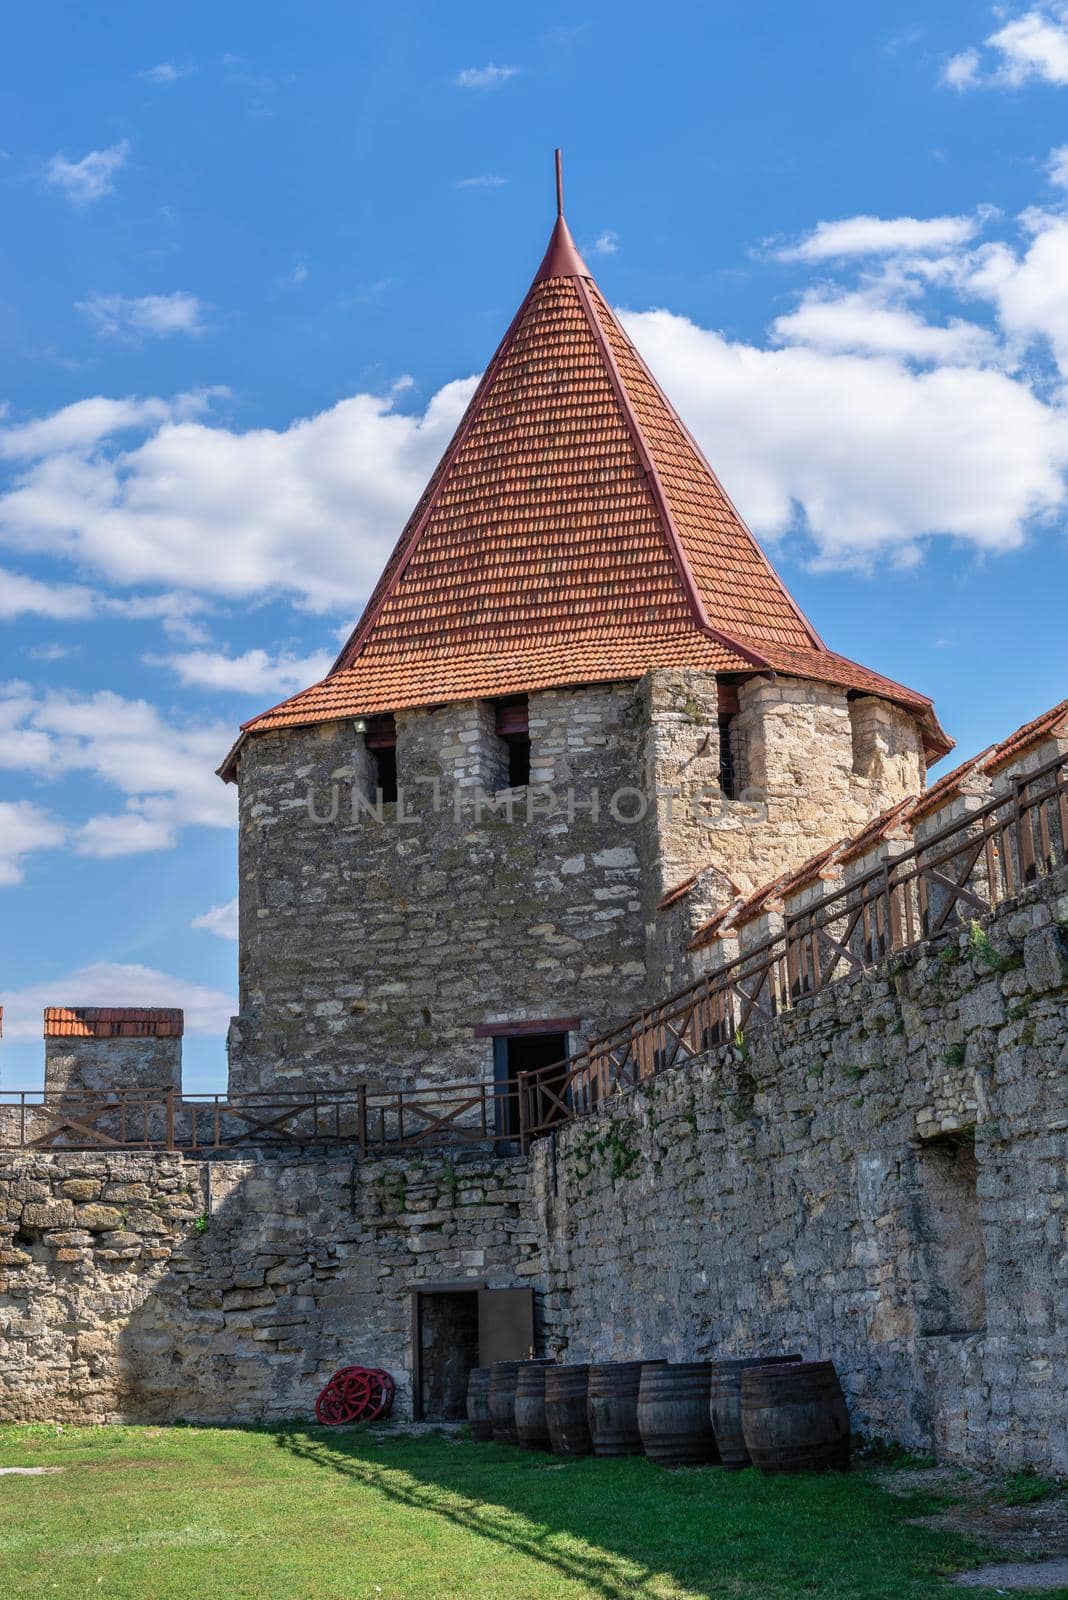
[
  {"x": 382, "y": 745},
  {"x": 729, "y": 707},
  {"x": 512, "y": 728},
  {"x": 726, "y": 757},
  {"x": 527, "y": 1052}
]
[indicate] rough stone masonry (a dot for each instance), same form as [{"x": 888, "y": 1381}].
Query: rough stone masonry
[{"x": 877, "y": 1178}]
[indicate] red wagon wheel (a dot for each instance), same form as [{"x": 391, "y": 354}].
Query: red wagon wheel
[{"x": 355, "y": 1394}]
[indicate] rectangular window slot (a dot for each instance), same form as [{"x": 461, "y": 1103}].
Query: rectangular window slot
[
  {"x": 381, "y": 742},
  {"x": 952, "y": 1291},
  {"x": 727, "y": 694},
  {"x": 512, "y": 728}
]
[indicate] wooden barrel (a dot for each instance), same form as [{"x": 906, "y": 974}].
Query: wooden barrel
[
  {"x": 565, "y": 1410},
  {"x": 504, "y": 1375},
  {"x": 794, "y": 1417},
  {"x": 673, "y": 1415},
  {"x": 612, "y": 1407},
  {"x": 478, "y": 1412},
  {"x": 531, "y": 1426},
  {"x": 725, "y": 1405}
]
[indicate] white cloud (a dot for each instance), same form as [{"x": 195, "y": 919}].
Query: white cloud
[
  {"x": 256, "y": 672},
  {"x": 85, "y": 423},
  {"x": 220, "y": 920},
  {"x": 606, "y": 243},
  {"x": 907, "y": 394},
  {"x": 111, "y": 983},
  {"x": 71, "y": 602},
  {"x": 488, "y": 180},
  {"x": 1029, "y": 290},
  {"x": 874, "y": 456},
  {"x": 118, "y": 316},
  {"x": 166, "y": 72},
  {"x": 62, "y": 602},
  {"x": 90, "y": 178},
  {"x": 53, "y": 651},
  {"x": 488, "y": 77},
  {"x": 24, "y": 828},
  {"x": 863, "y": 236},
  {"x": 962, "y": 70},
  {"x": 1057, "y": 166},
  {"x": 865, "y": 321},
  {"x": 1026, "y": 49},
  {"x": 163, "y": 769},
  {"x": 310, "y": 511}
]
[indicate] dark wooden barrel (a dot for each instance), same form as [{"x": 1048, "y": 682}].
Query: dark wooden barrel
[
  {"x": 612, "y": 1407},
  {"x": 794, "y": 1417},
  {"x": 725, "y": 1405},
  {"x": 531, "y": 1426},
  {"x": 673, "y": 1415},
  {"x": 478, "y": 1412},
  {"x": 504, "y": 1375},
  {"x": 565, "y": 1410}
]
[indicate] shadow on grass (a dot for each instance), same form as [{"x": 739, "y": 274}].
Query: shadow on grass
[{"x": 615, "y": 1527}]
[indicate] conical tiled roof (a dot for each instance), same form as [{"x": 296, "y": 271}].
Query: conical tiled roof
[{"x": 572, "y": 533}]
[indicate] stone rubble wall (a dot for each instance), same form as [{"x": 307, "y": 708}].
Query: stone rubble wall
[
  {"x": 108, "y": 1063},
  {"x": 152, "y": 1288},
  {"x": 372, "y": 949},
  {"x": 877, "y": 1178}
]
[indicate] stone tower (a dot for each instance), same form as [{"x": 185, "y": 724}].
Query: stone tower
[{"x": 578, "y": 684}]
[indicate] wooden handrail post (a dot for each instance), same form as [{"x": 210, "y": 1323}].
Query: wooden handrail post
[
  {"x": 524, "y": 1111},
  {"x": 170, "y": 1119},
  {"x": 361, "y": 1118}
]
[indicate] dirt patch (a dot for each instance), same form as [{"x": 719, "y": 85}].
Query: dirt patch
[
  {"x": 1017, "y": 1575},
  {"x": 1038, "y": 1530}
]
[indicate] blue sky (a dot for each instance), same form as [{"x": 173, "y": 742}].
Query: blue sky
[{"x": 254, "y": 256}]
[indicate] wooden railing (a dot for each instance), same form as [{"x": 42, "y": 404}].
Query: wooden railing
[
  {"x": 375, "y": 1122},
  {"x": 958, "y": 873}
]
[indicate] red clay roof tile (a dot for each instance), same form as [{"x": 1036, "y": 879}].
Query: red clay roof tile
[
  {"x": 572, "y": 533},
  {"x": 112, "y": 1022}
]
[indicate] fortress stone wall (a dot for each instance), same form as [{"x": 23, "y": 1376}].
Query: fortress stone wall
[
  {"x": 372, "y": 949},
  {"x": 877, "y": 1178},
  {"x": 152, "y": 1288}
]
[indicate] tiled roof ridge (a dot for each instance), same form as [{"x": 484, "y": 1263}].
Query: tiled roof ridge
[
  {"x": 706, "y": 465},
  {"x": 405, "y": 547}
]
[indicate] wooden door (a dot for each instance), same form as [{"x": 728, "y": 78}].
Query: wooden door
[{"x": 505, "y": 1325}]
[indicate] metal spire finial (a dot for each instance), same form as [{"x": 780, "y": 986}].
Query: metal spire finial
[{"x": 559, "y": 184}]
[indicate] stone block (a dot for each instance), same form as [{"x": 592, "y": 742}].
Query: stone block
[
  {"x": 97, "y": 1218},
  {"x": 81, "y": 1188},
  {"x": 1046, "y": 958}
]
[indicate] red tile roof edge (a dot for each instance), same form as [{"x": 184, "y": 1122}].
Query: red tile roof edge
[{"x": 111, "y": 1022}]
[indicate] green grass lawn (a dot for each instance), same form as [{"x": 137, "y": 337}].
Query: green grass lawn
[{"x": 299, "y": 1512}]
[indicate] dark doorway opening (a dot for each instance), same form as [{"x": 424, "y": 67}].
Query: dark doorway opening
[
  {"x": 448, "y": 1349},
  {"x": 524, "y": 1052},
  {"x": 457, "y": 1326}
]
